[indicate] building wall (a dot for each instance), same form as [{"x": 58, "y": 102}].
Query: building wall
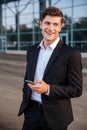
[{"x": 20, "y": 23}]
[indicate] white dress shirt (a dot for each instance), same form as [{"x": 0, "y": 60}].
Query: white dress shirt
[{"x": 43, "y": 58}]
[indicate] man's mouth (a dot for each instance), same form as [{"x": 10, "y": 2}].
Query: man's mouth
[{"x": 48, "y": 33}]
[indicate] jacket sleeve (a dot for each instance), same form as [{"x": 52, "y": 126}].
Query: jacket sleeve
[
  {"x": 25, "y": 88},
  {"x": 73, "y": 87}
]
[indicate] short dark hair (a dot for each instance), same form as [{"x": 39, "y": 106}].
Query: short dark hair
[{"x": 52, "y": 11}]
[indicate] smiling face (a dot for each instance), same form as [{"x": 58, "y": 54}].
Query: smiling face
[{"x": 50, "y": 26}]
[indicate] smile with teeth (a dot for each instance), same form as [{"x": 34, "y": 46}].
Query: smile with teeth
[{"x": 48, "y": 33}]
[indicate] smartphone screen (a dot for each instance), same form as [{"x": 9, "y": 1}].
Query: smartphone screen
[{"x": 28, "y": 81}]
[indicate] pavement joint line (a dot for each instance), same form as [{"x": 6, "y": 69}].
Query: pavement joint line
[{"x": 13, "y": 62}]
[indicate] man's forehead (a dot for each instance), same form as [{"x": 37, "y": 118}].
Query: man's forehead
[{"x": 52, "y": 19}]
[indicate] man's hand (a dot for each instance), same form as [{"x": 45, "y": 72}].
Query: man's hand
[{"x": 39, "y": 87}]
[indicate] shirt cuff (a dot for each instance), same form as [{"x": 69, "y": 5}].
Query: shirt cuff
[{"x": 48, "y": 90}]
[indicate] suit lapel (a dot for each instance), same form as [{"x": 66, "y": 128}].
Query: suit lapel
[
  {"x": 35, "y": 53},
  {"x": 53, "y": 57}
]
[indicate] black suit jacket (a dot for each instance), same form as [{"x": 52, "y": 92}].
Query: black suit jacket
[{"x": 64, "y": 75}]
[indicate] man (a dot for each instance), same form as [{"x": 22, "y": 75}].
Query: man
[{"x": 56, "y": 70}]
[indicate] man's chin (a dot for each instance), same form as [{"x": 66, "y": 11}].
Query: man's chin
[{"x": 50, "y": 40}]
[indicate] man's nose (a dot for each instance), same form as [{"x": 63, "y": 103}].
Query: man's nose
[{"x": 51, "y": 27}]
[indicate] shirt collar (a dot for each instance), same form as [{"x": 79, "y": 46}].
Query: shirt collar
[{"x": 52, "y": 45}]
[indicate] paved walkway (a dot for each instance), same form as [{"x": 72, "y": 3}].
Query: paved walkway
[{"x": 11, "y": 81}]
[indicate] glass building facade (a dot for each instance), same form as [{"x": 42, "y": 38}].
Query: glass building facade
[{"x": 19, "y": 23}]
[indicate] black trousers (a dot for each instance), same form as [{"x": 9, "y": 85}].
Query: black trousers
[{"x": 34, "y": 118}]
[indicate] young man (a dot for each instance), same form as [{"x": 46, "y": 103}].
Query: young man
[{"x": 56, "y": 70}]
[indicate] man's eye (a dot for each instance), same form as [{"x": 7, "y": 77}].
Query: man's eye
[
  {"x": 47, "y": 23},
  {"x": 55, "y": 24}
]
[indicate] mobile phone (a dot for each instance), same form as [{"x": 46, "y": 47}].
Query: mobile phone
[{"x": 28, "y": 81}]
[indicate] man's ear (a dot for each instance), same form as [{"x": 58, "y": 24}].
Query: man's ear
[
  {"x": 60, "y": 28},
  {"x": 40, "y": 24}
]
